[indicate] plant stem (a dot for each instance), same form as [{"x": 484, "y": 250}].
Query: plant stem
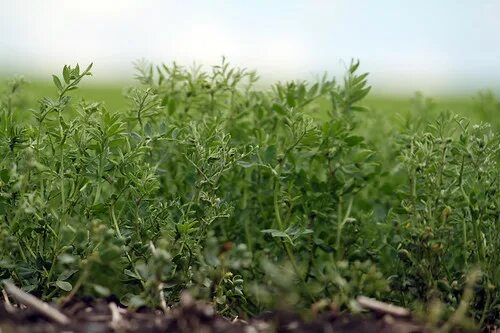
[
  {"x": 286, "y": 245},
  {"x": 341, "y": 222}
]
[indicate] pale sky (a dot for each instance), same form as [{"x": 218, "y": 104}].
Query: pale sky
[{"x": 427, "y": 45}]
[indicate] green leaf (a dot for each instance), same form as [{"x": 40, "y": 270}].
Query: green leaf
[
  {"x": 354, "y": 66},
  {"x": 131, "y": 274},
  {"x": 269, "y": 154},
  {"x": 353, "y": 140},
  {"x": 102, "y": 291},
  {"x": 57, "y": 82},
  {"x": 171, "y": 106},
  {"x": 164, "y": 100},
  {"x": 66, "y": 274},
  {"x": 136, "y": 301},
  {"x": 276, "y": 233},
  {"x": 279, "y": 109},
  {"x": 362, "y": 155},
  {"x": 66, "y": 286},
  {"x": 360, "y": 108},
  {"x": 87, "y": 70},
  {"x": 360, "y": 94},
  {"x": 360, "y": 80},
  {"x": 29, "y": 288},
  {"x": 290, "y": 99},
  {"x": 66, "y": 74},
  {"x": 186, "y": 228},
  {"x": 4, "y": 175}
]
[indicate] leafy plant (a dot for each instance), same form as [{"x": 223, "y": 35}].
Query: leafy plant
[{"x": 250, "y": 198}]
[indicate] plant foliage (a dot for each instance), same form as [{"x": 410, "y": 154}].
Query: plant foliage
[{"x": 250, "y": 198}]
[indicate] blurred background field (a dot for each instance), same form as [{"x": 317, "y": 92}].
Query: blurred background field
[
  {"x": 445, "y": 48},
  {"x": 448, "y": 50},
  {"x": 482, "y": 106}
]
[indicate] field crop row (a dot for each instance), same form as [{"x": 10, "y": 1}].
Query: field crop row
[{"x": 250, "y": 198}]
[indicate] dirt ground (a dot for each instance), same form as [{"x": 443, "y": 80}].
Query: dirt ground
[{"x": 100, "y": 316}]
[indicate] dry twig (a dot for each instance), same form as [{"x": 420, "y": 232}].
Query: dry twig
[
  {"x": 8, "y": 306},
  {"x": 116, "y": 318},
  {"x": 374, "y": 305},
  {"x": 33, "y": 302}
]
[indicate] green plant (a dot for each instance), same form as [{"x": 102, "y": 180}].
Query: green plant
[
  {"x": 448, "y": 219},
  {"x": 250, "y": 198}
]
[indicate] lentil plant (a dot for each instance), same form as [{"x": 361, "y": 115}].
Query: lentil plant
[{"x": 250, "y": 198}]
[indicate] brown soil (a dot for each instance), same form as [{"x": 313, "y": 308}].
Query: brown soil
[
  {"x": 104, "y": 315},
  {"x": 99, "y": 316}
]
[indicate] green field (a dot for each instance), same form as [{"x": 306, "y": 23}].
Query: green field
[
  {"x": 252, "y": 199},
  {"x": 481, "y": 106}
]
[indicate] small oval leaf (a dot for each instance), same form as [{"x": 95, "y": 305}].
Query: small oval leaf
[{"x": 66, "y": 286}]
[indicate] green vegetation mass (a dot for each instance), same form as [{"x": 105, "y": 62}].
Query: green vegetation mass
[{"x": 251, "y": 198}]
